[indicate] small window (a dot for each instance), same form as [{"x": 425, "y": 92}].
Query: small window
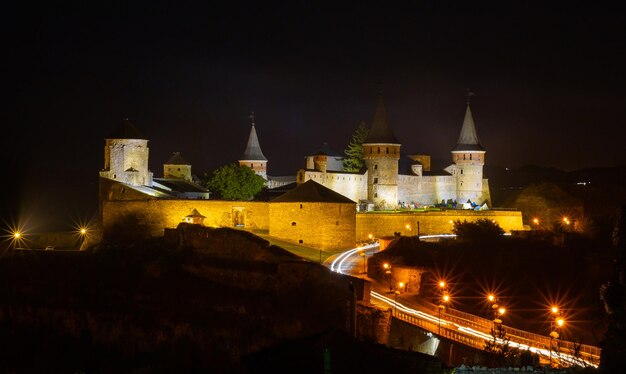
[
  {"x": 300, "y": 241},
  {"x": 252, "y": 166},
  {"x": 387, "y": 150},
  {"x": 461, "y": 171},
  {"x": 375, "y": 194},
  {"x": 463, "y": 157},
  {"x": 375, "y": 167},
  {"x": 470, "y": 156},
  {"x": 336, "y": 223},
  {"x": 293, "y": 223},
  {"x": 378, "y": 149},
  {"x": 375, "y": 180},
  {"x": 300, "y": 206}
]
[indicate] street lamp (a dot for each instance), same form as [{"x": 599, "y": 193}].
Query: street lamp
[
  {"x": 444, "y": 301},
  {"x": 387, "y": 267},
  {"x": 408, "y": 227},
  {"x": 555, "y": 323},
  {"x": 401, "y": 285}
]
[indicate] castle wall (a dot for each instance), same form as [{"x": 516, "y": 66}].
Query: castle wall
[
  {"x": 149, "y": 218},
  {"x": 352, "y": 186},
  {"x": 319, "y": 225},
  {"x": 386, "y": 224}
]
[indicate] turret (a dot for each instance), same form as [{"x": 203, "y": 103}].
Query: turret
[
  {"x": 469, "y": 158},
  {"x": 381, "y": 152},
  {"x": 253, "y": 156},
  {"x": 126, "y": 156},
  {"x": 177, "y": 168}
]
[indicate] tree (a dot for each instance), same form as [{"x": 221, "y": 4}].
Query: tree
[
  {"x": 499, "y": 351},
  {"x": 481, "y": 229},
  {"x": 234, "y": 182},
  {"x": 354, "y": 153}
]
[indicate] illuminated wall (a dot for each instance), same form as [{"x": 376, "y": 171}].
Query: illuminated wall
[
  {"x": 126, "y": 161},
  {"x": 351, "y": 185},
  {"x": 319, "y": 225},
  {"x": 386, "y": 224}
]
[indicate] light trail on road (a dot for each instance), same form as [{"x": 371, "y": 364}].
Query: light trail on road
[{"x": 337, "y": 266}]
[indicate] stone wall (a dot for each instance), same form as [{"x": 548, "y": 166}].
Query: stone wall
[
  {"x": 149, "y": 218},
  {"x": 351, "y": 185},
  {"x": 319, "y": 225},
  {"x": 386, "y": 224}
]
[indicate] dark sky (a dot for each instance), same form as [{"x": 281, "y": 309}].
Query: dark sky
[{"x": 550, "y": 85}]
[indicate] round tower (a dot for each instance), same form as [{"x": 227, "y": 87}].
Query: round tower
[
  {"x": 126, "y": 156},
  {"x": 381, "y": 152},
  {"x": 469, "y": 159},
  {"x": 253, "y": 156}
]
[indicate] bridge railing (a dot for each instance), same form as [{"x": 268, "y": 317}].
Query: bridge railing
[{"x": 587, "y": 352}]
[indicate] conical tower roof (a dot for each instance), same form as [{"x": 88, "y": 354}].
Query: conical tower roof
[
  {"x": 312, "y": 192},
  {"x": 468, "y": 139},
  {"x": 380, "y": 132},
  {"x": 126, "y": 130},
  {"x": 253, "y": 149}
]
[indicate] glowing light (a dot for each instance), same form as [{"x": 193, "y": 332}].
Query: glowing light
[
  {"x": 370, "y": 236},
  {"x": 442, "y": 284},
  {"x": 491, "y": 297},
  {"x": 501, "y": 311},
  {"x": 560, "y": 322},
  {"x": 536, "y": 221},
  {"x": 17, "y": 235},
  {"x": 408, "y": 227},
  {"x": 401, "y": 284},
  {"x": 554, "y": 309},
  {"x": 446, "y": 298},
  {"x": 386, "y": 265},
  {"x": 337, "y": 264},
  {"x": 450, "y": 222}
]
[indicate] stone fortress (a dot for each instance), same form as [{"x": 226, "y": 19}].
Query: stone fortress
[{"x": 322, "y": 206}]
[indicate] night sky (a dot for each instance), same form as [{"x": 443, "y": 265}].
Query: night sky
[{"x": 550, "y": 86}]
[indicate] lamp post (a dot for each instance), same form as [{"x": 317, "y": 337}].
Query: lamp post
[
  {"x": 444, "y": 300},
  {"x": 387, "y": 267},
  {"x": 556, "y": 322}
]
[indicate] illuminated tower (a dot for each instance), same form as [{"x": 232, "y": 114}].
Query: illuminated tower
[
  {"x": 469, "y": 158},
  {"x": 253, "y": 156},
  {"x": 126, "y": 156},
  {"x": 381, "y": 152},
  {"x": 177, "y": 167}
]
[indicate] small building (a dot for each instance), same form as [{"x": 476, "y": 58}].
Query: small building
[
  {"x": 194, "y": 218},
  {"x": 315, "y": 216}
]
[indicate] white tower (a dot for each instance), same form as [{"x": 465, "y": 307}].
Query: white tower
[
  {"x": 126, "y": 156},
  {"x": 469, "y": 158},
  {"x": 381, "y": 152}
]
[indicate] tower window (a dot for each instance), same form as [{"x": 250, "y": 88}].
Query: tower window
[
  {"x": 376, "y": 167},
  {"x": 375, "y": 194},
  {"x": 387, "y": 150},
  {"x": 470, "y": 156},
  {"x": 378, "y": 149},
  {"x": 300, "y": 206},
  {"x": 375, "y": 180},
  {"x": 461, "y": 171},
  {"x": 371, "y": 150},
  {"x": 252, "y": 165},
  {"x": 463, "y": 157},
  {"x": 300, "y": 241},
  {"x": 293, "y": 223}
]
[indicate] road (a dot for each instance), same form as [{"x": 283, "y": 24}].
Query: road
[{"x": 456, "y": 325}]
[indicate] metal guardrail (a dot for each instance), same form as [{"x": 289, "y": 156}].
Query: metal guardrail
[{"x": 586, "y": 352}]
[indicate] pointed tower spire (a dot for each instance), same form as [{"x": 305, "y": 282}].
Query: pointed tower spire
[
  {"x": 253, "y": 149},
  {"x": 468, "y": 138},
  {"x": 380, "y": 132}
]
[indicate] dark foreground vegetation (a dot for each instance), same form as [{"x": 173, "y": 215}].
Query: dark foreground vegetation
[{"x": 235, "y": 305}]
